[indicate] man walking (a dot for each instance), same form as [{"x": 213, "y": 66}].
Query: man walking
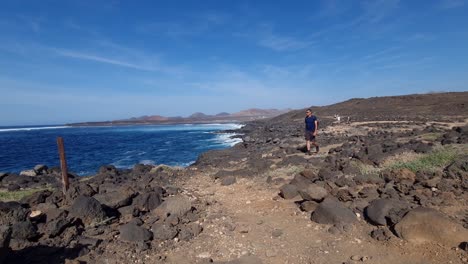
[{"x": 311, "y": 126}]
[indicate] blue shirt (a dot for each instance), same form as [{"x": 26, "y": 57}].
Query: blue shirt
[{"x": 310, "y": 123}]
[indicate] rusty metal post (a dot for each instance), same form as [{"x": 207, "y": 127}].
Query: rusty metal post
[{"x": 63, "y": 164}]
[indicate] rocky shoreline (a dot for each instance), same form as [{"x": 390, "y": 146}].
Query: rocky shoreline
[{"x": 385, "y": 182}]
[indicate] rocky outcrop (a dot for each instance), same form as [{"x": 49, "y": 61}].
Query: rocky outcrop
[
  {"x": 331, "y": 211},
  {"x": 423, "y": 225}
]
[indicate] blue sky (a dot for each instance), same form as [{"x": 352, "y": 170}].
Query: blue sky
[{"x": 69, "y": 61}]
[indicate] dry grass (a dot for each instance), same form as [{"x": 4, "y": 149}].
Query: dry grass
[
  {"x": 6, "y": 196},
  {"x": 436, "y": 160},
  {"x": 365, "y": 169},
  {"x": 407, "y": 156},
  {"x": 284, "y": 172},
  {"x": 430, "y": 136}
]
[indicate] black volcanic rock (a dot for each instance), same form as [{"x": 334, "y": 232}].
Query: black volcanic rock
[
  {"x": 88, "y": 209},
  {"x": 331, "y": 211},
  {"x": 134, "y": 233}
]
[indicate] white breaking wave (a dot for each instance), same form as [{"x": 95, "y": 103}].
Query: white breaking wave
[
  {"x": 184, "y": 164},
  {"x": 225, "y": 126},
  {"x": 226, "y": 139},
  {"x": 31, "y": 128},
  {"x": 147, "y": 162}
]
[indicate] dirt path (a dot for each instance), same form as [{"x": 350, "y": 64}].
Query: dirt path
[{"x": 247, "y": 218}]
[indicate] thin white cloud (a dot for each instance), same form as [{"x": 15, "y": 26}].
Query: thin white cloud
[
  {"x": 129, "y": 58},
  {"x": 266, "y": 36},
  {"x": 381, "y": 53},
  {"x": 282, "y": 43},
  {"x": 90, "y": 57}
]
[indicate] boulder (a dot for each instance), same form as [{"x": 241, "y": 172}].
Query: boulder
[
  {"x": 56, "y": 226},
  {"x": 142, "y": 168},
  {"x": 24, "y": 230},
  {"x": 369, "y": 192},
  {"x": 175, "y": 205},
  {"x": 309, "y": 174},
  {"x": 458, "y": 169},
  {"x": 344, "y": 194},
  {"x": 308, "y": 206},
  {"x": 313, "y": 192},
  {"x": 77, "y": 190},
  {"x": 13, "y": 187},
  {"x": 375, "y": 153},
  {"x": 108, "y": 169},
  {"x": 381, "y": 234},
  {"x": 134, "y": 233},
  {"x": 300, "y": 181},
  {"x": 464, "y": 246},
  {"x": 400, "y": 175},
  {"x": 379, "y": 210},
  {"x": 88, "y": 209},
  {"x": 40, "y": 169},
  {"x": 288, "y": 191},
  {"x": 36, "y": 198},
  {"x": 20, "y": 180},
  {"x": 146, "y": 202},
  {"x": 116, "y": 198},
  {"x": 428, "y": 225},
  {"x": 12, "y": 212},
  {"x": 331, "y": 211},
  {"x": 5, "y": 236},
  {"x": 326, "y": 174},
  {"x": 422, "y": 148},
  {"x": 163, "y": 231},
  {"x": 30, "y": 173}
]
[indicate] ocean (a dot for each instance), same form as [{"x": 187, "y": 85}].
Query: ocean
[{"x": 88, "y": 148}]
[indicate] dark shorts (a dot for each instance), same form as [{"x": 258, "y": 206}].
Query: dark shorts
[{"x": 309, "y": 135}]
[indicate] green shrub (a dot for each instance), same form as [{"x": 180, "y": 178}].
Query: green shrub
[{"x": 431, "y": 162}]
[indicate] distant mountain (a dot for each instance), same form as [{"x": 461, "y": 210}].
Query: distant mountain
[
  {"x": 428, "y": 107},
  {"x": 146, "y": 118},
  {"x": 261, "y": 112},
  {"x": 157, "y": 118},
  {"x": 198, "y": 117}
]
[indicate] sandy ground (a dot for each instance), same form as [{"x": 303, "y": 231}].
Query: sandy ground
[{"x": 248, "y": 218}]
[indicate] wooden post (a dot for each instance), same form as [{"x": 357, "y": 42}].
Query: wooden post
[{"x": 63, "y": 164}]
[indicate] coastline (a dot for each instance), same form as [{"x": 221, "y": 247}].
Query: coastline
[
  {"x": 222, "y": 135},
  {"x": 263, "y": 196}
]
